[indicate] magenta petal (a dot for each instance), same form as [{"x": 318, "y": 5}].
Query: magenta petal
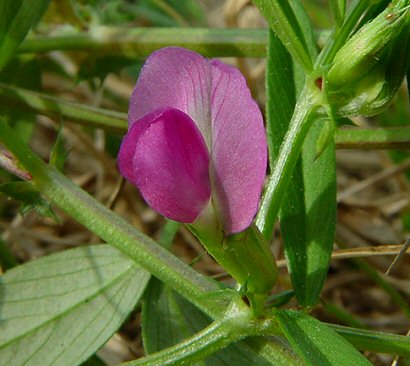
[
  {"x": 178, "y": 78},
  {"x": 239, "y": 149},
  {"x": 165, "y": 156}
]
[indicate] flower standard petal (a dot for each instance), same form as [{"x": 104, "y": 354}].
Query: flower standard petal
[
  {"x": 165, "y": 156},
  {"x": 178, "y": 78},
  {"x": 239, "y": 149}
]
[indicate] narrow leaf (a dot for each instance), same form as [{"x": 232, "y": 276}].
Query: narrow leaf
[
  {"x": 308, "y": 210},
  {"x": 60, "y": 309},
  {"x": 338, "y": 8},
  {"x": 16, "y": 19},
  {"x": 284, "y": 21},
  {"x": 319, "y": 175},
  {"x": 371, "y": 340},
  {"x": 316, "y": 343}
]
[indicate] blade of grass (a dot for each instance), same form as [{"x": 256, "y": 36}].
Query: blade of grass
[
  {"x": 375, "y": 341},
  {"x": 284, "y": 21},
  {"x": 338, "y": 8},
  {"x": 16, "y": 19}
]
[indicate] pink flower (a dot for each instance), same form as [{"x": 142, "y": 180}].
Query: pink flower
[{"x": 195, "y": 137}]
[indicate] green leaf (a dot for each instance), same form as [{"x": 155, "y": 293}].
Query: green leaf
[
  {"x": 338, "y": 8},
  {"x": 29, "y": 196},
  {"x": 309, "y": 262},
  {"x": 308, "y": 210},
  {"x": 284, "y": 20},
  {"x": 167, "y": 319},
  {"x": 60, "y": 309},
  {"x": 16, "y": 19},
  {"x": 316, "y": 343}
]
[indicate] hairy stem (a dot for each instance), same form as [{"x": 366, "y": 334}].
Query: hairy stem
[
  {"x": 236, "y": 324},
  {"x": 289, "y": 152}
]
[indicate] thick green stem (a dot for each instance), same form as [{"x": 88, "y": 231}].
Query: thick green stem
[
  {"x": 289, "y": 152},
  {"x": 373, "y": 138},
  {"x": 140, "y": 42},
  {"x": 235, "y": 325},
  {"x": 143, "y": 250}
]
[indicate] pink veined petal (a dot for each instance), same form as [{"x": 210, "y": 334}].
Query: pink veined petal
[
  {"x": 165, "y": 156},
  {"x": 178, "y": 78},
  {"x": 239, "y": 149}
]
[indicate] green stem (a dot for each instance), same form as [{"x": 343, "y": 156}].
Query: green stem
[
  {"x": 235, "y": 325},
  {"x": 373, "y": 138},
  {"x": 140, "y": 42},
  {"x": 302, "y": 119}
]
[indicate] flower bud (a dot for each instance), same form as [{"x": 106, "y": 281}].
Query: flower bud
[{"x": 367, "y": 71}]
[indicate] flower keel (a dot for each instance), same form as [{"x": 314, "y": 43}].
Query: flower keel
[{"x": 165, "y": 156}]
